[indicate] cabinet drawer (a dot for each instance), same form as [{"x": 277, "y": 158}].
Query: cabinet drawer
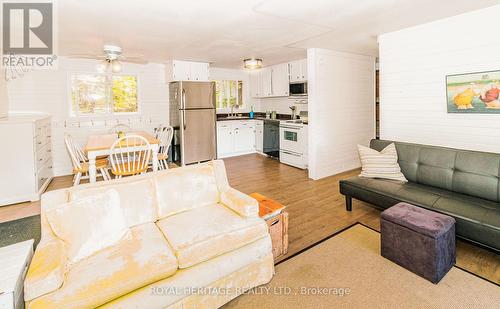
[
  {"x": 43, "y": 155},
  {"x": 293, "y": 159},
  {"x": 44, "y": 174},
  {"x": 42, "y": 133}
]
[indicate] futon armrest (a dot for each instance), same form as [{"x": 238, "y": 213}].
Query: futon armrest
[
  {"x": 241, "y": 203},
  {"x": 46, "y": 271}
]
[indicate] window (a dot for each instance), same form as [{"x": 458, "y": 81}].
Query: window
[
  {"x": 100, "y": 94},
  {"x": 228, "y": 93}
]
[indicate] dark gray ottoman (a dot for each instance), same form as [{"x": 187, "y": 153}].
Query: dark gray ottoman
[{"x": 419, "y": 240}]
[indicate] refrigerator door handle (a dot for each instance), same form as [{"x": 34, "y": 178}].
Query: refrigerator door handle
[
  {"x": 183, "y": 99},
  {"x": 184, "y": 118}
]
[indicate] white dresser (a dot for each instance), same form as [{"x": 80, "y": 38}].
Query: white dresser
[
  {"x": 14, "y": 262},
  {"x": 25, "y": 157}
]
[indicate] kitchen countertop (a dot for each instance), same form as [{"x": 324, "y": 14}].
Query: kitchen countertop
[{"x": 257, "y": 116}]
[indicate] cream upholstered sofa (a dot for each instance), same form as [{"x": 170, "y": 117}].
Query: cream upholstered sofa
[{"x": 193, "y": 242}]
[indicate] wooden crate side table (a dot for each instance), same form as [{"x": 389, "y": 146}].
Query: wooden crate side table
[{"x": 277, "y": 222}]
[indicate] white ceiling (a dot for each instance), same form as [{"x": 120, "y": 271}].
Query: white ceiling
[{"x": 226, "y": 31}]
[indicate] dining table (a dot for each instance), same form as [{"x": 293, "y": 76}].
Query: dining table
[{"x": 100, "y": 145}]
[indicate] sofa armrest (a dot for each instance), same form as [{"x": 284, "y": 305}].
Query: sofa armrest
[
  {"x": 241, "y": 203},
  {"x": 46, "y": 271}
]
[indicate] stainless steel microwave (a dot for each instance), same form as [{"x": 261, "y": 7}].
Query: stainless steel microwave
[{"x": 298, "y": 89}]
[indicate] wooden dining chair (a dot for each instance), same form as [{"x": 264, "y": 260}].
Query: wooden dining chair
[
  {"x": 80, "y": 162},
  {"x": 120, "y": 128},
  {"x": 164, "y": 134},
  {"x": 130, "y": 156}
]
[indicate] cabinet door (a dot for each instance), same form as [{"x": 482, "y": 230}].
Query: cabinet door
[
  {"x": 181, "y": 70},
  {"x": 259, "y": 136},
  {"x": 199, "y": 71},
  {"x": 280, "y": 81},
  {"x": 266, "y": 82},
  {"x": 255, "y": 84},
  {"x": 244, "y": 138},
  {"x": 225, "y": 140},
  {"x": 303, "y": 70},
  {"x": 295, "y": 71}
]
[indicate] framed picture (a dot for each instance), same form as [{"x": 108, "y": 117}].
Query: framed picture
[{"x": 473, "y": 93}]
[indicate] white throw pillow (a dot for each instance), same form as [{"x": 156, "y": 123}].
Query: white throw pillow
[
  {"x": 383, "y": 164},
  {"x": 89, "y": 224}
]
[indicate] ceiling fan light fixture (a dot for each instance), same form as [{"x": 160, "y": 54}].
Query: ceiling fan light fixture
[
  {"x": 252, "y": 63},
  {"x": 116, "y": 66},
  {"x": 102, "y": 67}
]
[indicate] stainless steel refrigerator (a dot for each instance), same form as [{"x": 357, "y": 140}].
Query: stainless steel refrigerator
[{"x": 192, "y": 114}]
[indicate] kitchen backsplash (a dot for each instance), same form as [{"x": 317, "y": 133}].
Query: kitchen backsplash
[{"x": 280, "y": 105}]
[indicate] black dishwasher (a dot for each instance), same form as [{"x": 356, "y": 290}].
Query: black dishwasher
[{"x": 272, "y": 138}]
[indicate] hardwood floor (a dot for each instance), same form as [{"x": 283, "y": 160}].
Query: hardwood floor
[{"x": 316, "y": 208}]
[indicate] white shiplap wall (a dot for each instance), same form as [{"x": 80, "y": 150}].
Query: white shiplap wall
[
  {"x": 341, "y": 109},
  {"x": 413, "y": 65},
  {"x": 48, "y": 91},
  {"x": 4, "y": 102}
]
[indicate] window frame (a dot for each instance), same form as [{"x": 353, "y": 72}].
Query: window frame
[
  {"x": 109, "y": 112},
  {"x": 243, "y": 97}
]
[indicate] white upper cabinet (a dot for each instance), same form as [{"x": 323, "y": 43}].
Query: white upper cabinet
[
  {"x": 266, "y": 80},
  {"x": 274, "y": 81},
  {"x": 279, "y": 80},
  {"x": 255, "y": 84},
  {"x": 187, "y": 71},
  {"x": 298, "y": 71},
  {"x": 199, "y": 71}
]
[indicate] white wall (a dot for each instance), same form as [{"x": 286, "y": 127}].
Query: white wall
[
  {"x": 341, "y": 109},
  {"x": 4, "y": 102},
  {"x": 281, "y": 105},
  {"x": 232, "y": 74},
  {"x": 413, "y": 66},
  {"x": 48, "y": 91}
]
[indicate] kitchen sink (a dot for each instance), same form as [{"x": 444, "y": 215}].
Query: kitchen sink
[{"x": 237, "y": 117}]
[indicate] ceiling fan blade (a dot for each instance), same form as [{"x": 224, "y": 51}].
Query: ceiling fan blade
[
  {"x": 86, "y": 56},
  {"x": 133, "y": 60}
]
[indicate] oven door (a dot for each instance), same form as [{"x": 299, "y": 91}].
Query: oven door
[{"x": 291, "y": 139}]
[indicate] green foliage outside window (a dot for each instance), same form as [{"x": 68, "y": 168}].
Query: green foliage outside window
[
  {"x": 228, "y": 93},
  {"x": 101, "y": 94}
]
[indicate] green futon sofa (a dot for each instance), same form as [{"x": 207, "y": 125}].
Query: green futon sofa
[{"x": 460, "y": 183}]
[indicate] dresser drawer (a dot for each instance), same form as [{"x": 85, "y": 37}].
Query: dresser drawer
[
  {"x": 44, "y": 174},
  {"x": 43, "y": 155},
  {"x": 42, "y": 133}
]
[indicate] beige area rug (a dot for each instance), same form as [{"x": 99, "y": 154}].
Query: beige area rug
[{"x": 347, "y": 271}]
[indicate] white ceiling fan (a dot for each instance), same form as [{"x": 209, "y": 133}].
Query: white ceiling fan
[{"x": 111, "y": 59}]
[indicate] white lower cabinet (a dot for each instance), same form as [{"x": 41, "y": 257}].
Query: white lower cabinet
[
  {"x": 259, "y": 136},
  {"x": 235, "y": 137}
]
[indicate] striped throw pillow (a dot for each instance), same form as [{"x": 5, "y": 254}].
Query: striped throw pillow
[{"x": 383, "y": 164}]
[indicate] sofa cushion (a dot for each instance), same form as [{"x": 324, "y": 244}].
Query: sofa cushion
[
  {"x": 137, "y": 198},
  {"x": 141, "y": 258},
  {"x": 204, "y": 232},
  {"x": 477, "y": 174},
  {"x": 477, "y": 219},
  {"x": 89, "y": 224},
  {"x": 467, "y": 172},
  {"x": 185, "y": 188}
]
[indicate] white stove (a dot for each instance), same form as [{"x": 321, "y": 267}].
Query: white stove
[{"x": 293, "y": 143}]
